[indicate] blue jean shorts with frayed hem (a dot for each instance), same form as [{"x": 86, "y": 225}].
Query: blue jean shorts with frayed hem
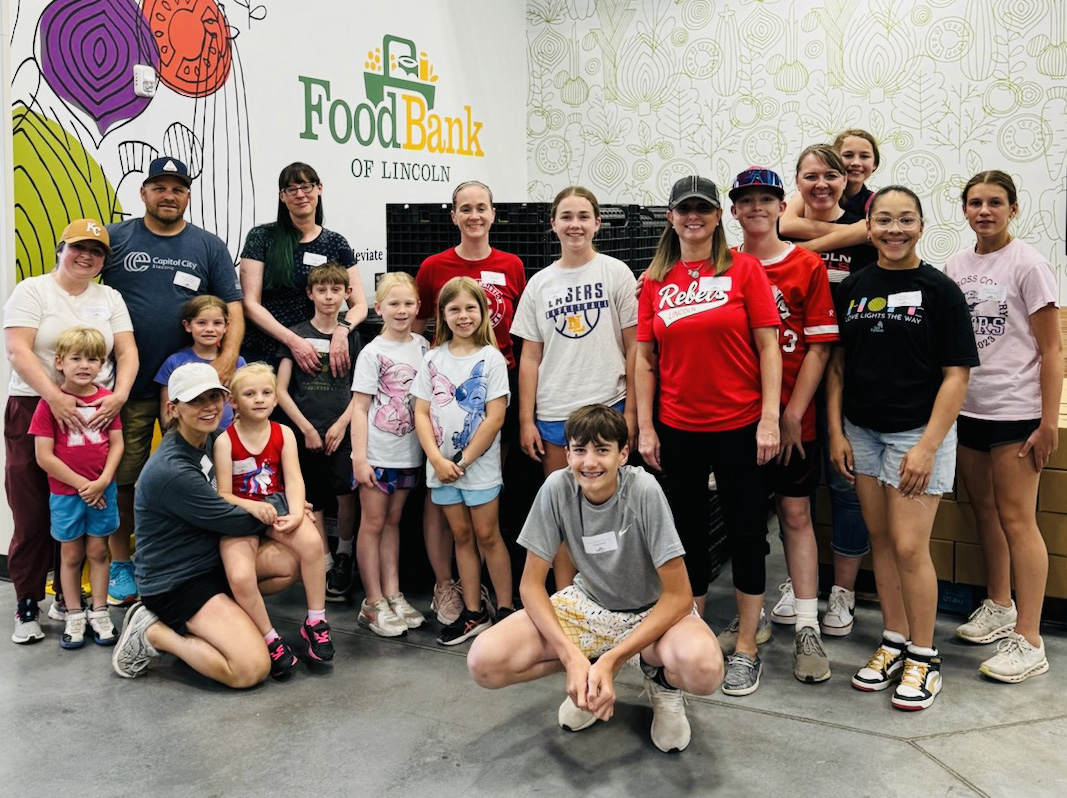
[{"x": 879, "y": 455}]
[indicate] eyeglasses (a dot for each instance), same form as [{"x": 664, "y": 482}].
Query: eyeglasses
[
  {"x": 904, "y": 222},
  {"x": 292, "y": 191}
]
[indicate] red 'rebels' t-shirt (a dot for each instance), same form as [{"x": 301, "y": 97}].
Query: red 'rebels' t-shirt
[
  {"x": 802, "y": 292},
  {"x": 500, "y": 275},
  {"x": 709, "y": 376}
]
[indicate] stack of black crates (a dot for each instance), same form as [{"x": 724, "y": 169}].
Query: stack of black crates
[{"x": 627, "y": 232}]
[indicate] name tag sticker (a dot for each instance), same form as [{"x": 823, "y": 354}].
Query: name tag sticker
[
  {"x": 494, "y": 278},
  {"x": 724, "y": 283},
  {"x": 186, "y": 280},
  {"x": 246, "y": 466},
  {"x": 988, "y": 292},
  {"x": 598, "y": 544},
  {"x": 554, "y": 296},
  {"x": 905, "y": 299},
  {"x": 314, "y": 259},
  {"x": 94, "y": 313},
  {"x": 322, "y": 346}
]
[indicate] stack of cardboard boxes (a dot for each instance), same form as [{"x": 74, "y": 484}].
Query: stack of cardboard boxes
[{"x": 954, "y": 544}]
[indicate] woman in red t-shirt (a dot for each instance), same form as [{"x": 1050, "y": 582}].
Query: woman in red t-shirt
[
  {"x": 707, "y": 334},
  {"x": 503, "y": 278}
]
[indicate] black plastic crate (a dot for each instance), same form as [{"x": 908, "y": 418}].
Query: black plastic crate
[{"x": 646, "y": 227}]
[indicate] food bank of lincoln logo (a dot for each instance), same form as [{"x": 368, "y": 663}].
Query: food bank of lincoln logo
[{"x": 400, "y": 108}]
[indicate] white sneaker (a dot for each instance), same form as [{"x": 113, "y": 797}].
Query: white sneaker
[
  {"x": 103, "y": 630},
  {"x": 837, "y": 622},
  {"x": 380, "y": 619},
  {"x": 572, "y": 718},
  {"x": 411, "y": 617},
  {"x": 74, "y": 630},
  {"x": 1015, "y": 661},
  {"x": 785, "y": 611},
  {"x": 27, "y": 623},
  {"x": 670, "y": 726},
  {"x": 989, "y": 622},
  {"x": 447, "y": 602}
]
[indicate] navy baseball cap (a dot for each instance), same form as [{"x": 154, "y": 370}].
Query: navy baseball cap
[
  {"x": 168, "y": 167},
  {"x": 693, "y": 186},
  {"x": 758, "y": 176}
]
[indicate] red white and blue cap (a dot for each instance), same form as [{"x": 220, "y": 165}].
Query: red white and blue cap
[{"x": 758, "y": 176}]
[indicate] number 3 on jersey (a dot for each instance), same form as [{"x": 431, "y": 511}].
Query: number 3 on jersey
[{"x": 789, "y": 341}]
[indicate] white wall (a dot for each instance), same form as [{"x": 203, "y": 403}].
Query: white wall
[
  {"x": 82, "y": 140},
  {"x": 627, "y": 96}
]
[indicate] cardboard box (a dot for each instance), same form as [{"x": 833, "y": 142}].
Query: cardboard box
[
  {"x": 943, "y": 554},
  {"x": 970, "y": 564},
  {"x": 1057, "y": 577},
  {"x": 1052, "y": 491},
  {"x": 1053, "y": 528},
  {"x": 955, "y": 521}
]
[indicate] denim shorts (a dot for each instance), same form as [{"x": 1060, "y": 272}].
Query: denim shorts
[
  {"x": 72, "y": 518},
  {"x": 879, "y": 455},
  {"x": 552, "y": 431},
  {"x": 450, "y": 494}
]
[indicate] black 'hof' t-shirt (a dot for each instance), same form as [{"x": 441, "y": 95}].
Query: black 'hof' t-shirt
[{"x": 899, "y": 329}]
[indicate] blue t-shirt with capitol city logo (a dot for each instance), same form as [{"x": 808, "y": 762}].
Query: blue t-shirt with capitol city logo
[
  {"x": 899, "y": 329},
  {"x": 156, "y": 275}
]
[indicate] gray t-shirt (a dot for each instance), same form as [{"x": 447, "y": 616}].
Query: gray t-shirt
[
  {"x": 180, "y": 516},
  {"x": 617, "y": 546},
  {"x": 156, "y": 275}
]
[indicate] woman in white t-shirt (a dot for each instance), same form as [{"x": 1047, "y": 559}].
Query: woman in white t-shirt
[
  {"x": 38, "y": 310},
  {"x": 1008, "y": 426}
]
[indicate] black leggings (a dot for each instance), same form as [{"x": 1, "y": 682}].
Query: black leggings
[{"x": 687, "y": 457}]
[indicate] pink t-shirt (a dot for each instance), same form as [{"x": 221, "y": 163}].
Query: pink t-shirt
[
  {"x": 84, "y": 452},
  {"x": 1003, "y": 289}
]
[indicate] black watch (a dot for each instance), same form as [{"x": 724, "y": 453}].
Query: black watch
[
  {"x": 457, "y": 458},
  {"x": 345, "y": 323}
]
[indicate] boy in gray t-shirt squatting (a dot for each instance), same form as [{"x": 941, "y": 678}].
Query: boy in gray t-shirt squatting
[{"x": 630, "y": 601}]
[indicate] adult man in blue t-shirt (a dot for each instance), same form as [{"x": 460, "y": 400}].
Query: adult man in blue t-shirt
[{"x": 157, "y": 263}]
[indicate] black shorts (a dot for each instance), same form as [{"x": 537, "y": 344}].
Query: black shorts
[
  {"x": 798, "y": 479},
  {"x": 983, "y": 435},
  {"x": 177, "y": 606},
  {"x": 326, "y": 476}
]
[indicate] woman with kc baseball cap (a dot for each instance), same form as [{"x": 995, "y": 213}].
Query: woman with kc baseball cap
[
  {"x": 186, "y": 608},
  {"x": 38, "y": 310},
  {"x": 707, "y": 336}
]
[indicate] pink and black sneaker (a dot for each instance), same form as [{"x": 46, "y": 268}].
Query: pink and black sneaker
[
  {"x": 317, "y": 635},
  {"x": 282, "y": 659}
]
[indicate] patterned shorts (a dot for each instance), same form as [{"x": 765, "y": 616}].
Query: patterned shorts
[{"x": 589, "y": 626}]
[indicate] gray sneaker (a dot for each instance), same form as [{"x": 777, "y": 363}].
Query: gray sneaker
[
  {"x": 988, "y": 623},
  {"x": 728, "y": 636},
  {"x": 133, "y": 652},
  {"x": 810, "y": 663},
  {"x": 670, "y": 727},
  {"x": 742, "y": 674},
  {"x": 27, "y": 623},
  {"x": 572, "y": 718}
]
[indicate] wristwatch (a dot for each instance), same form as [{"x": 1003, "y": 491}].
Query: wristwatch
[
  {"x": 345, "y": 323},
  {"x": 457, "y": 458}
]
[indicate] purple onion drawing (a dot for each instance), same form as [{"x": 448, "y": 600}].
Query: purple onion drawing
[{"x": 88, "y": 49}]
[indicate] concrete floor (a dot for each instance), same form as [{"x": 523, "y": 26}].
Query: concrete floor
[{"x": 402, "y": 717}]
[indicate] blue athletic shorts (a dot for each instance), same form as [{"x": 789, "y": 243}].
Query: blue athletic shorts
[
  {"x": 449, "y": 494},
  {"x": 552, "y": 431},
  {"x": 72, "y": 518}
]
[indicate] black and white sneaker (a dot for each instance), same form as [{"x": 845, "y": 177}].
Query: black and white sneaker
[
  {"x": 339, "y": 578},
  {"x": 920, "y": 682},
  {"x": 882, "y": 669},
  {"x": 466, "y": 626}
]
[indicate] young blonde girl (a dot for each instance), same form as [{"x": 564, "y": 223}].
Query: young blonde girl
[
  {"x": 461, "y": 394},
  {"x": 258, "y": 471},
  {"x": 205, "y": 319},
  {"x": 386, "y": 455}
]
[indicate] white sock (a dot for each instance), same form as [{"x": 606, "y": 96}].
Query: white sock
[
  {"x": 895, "y": 637},
  {"x": 344, "y": 546},
  {"x": 807, "y": 614},
  {"x": 921, "y": 650},
  {"x": 329, "y": 561},
  {"x": 314, "y": 616},
  {"x": 270, "y": 636}
]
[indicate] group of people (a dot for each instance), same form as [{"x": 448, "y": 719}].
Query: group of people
[{"x": 820, "y": 342}]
